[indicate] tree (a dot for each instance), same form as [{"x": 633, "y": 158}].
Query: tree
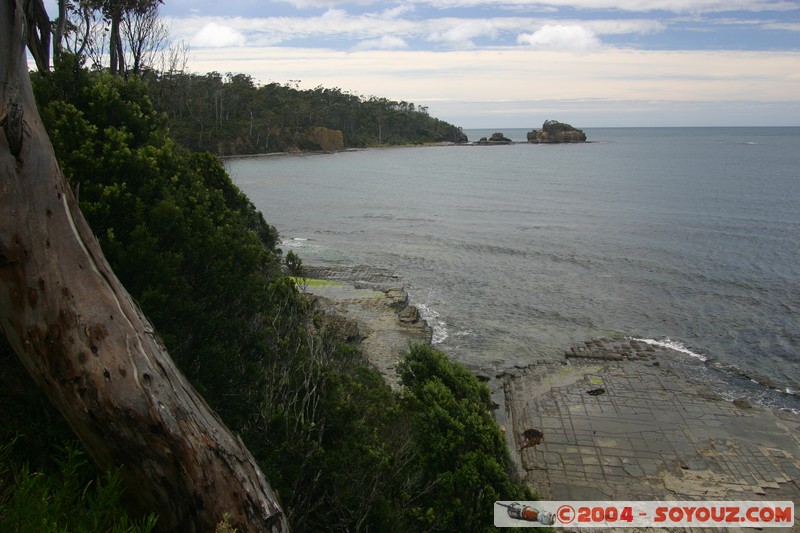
[
  {"x": 461, "y": 449},
  {"x": 144, "y": 36},
  {"x": 88, "y": 346},
  {"x": 38, "y": 33}
]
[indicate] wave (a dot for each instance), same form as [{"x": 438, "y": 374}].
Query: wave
[
  {"x": 731, "y": 382},
  {"x": 294, "y": 242},
  {"x": 673, "y": 345},
  {"x": 434, "y": 320}
]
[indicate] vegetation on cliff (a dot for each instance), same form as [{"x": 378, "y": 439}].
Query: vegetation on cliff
[
  {"x": 232, "y": 114},
  {"x": 340, "y": 448}
]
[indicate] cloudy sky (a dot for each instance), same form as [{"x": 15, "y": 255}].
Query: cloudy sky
[{"x": 515, "y": 63}]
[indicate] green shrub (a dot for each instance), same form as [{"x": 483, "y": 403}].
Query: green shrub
[
  {"x": 342, "y": 450},
  {"x": 462, "y": 453},
  {"x": 68, "y": 500}
]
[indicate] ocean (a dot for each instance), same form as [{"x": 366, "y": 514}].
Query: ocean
[{"x": 683, "y": 236}]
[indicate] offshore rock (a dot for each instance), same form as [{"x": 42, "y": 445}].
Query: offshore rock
[
  {"x": 556, "y": 132},
  {"x": 496, "y": 138}
]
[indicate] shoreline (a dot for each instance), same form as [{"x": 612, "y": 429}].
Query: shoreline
[
  {"x": 382, "y": 321},
  {"x": 622, "y": 423},
  {"x": 469, "y": 144},
  {"x": 303, "y": 153},
  {"x": 647, "y": 432}
]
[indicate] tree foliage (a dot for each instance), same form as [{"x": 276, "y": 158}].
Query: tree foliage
[
  {"x": 232, "y": 114},
  {"x": 461, "y": 450},
  {"x": 124, "y": 35},
  {"x": 343, "y": 451},
  {"x": 554, "y": 127},
  {"x": 71, "y": 498}
]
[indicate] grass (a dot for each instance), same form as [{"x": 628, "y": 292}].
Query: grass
[{"x": 305, "y": 282}]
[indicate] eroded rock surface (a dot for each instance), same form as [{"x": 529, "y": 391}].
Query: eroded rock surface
[
  {"x": 652, "y": 434},
  {"x": 386, "y": 324}
]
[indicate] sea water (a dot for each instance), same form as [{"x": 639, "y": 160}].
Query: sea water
[{"x": 689, "y": 237}]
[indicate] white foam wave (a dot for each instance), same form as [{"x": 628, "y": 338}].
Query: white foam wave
[
  {"x": 674, "y": 345},
  {"x": 294, "y": 242},
  {"x": 434, "y": 320}
]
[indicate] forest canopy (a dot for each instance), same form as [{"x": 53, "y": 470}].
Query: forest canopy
[{"x": 232, "y": 114}]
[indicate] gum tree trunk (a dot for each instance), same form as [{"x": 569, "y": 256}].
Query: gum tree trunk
[{"x": 87, "y": 344}]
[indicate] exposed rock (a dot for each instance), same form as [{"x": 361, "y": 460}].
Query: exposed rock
[
  {"x": 371, "y": 319},
  {"x": 327, "y": 139},
  {"x": 496, "y": 138},
  {"x": 532, "y": 438},
  {"x": 742, "y": 403},
  {"x": 658, "y": 432},
  {"x": 347, "y": 329},
  {"x": 397, "y": 298},
  {"x": 556, "y": 132},
  {"x": 409, "y": 315},
  {"x": 461, "y": 137}
]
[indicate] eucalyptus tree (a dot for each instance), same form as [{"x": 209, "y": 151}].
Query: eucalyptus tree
[{"x": 87, "y": 344}]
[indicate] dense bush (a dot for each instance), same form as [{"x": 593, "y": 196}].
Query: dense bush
[
  {"x": 232, "y": 114},
  {"x": 462, "y": 453},
  {"x": 341, "y": 449},
  {"x": 70, "y": 498}
]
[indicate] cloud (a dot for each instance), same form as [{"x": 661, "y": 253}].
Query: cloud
[
  {"x": 427, "y": 76},
  {"x": 623, "y": 26},
  {"x": 574, "y": 38},
  {"x": 783, "y": 26},
  {"x": 386, "y": 42},
  {"x": 304, "y": 4},
  {"x": 401, "y": 9},
  {"x": 459, "y": 33},
  {"x": 674, "y": 6},
  {"x": 374, "y": 29},
  {"x": 214, "y": 35}
]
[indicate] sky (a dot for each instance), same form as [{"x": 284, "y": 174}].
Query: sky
[{"x": 517, "y": 63}]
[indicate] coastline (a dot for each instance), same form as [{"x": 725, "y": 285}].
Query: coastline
[
  {"x": 469, "y": 144},
  {"x": 620, "y": 422},
  {"x": 303, "y": 153},
  {"x": 645, "y": 433},
  {"x": 381, "y": 320}
]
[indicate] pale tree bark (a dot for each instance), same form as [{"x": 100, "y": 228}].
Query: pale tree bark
[{"x": 88, "y": 346}]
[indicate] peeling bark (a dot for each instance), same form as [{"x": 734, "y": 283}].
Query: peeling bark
[{"x": 87, "y": 344}]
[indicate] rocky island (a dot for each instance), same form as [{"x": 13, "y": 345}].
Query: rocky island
[
  {"x": 496, "y": 138},
  {"x": 556, "y": 132}
]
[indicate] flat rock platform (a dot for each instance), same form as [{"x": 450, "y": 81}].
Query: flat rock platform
[
  {"x": 620, "y": 422},
  {"x": 386, "y": 325}
]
